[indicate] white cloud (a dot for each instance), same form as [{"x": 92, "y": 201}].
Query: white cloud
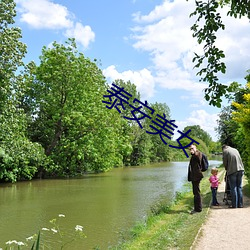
[
  {"x": 83, "y": 34},
  {"x": 159, "y": 12},
  {"x": 234, "y": 41},
  {"x": 143, "y": 79},
  {"x": 44, "y": 14},
  {"x": 165, "y": 33}
]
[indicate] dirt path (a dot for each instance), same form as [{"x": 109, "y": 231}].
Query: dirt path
[{"x": 225, "y": 228}]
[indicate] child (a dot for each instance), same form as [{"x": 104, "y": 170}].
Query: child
[{"x": 214, "y": 185}]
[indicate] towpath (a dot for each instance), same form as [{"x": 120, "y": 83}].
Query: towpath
[{"x": 225, "y": 228}]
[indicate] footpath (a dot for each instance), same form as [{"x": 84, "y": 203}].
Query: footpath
[{"x": 225, "y": 228}]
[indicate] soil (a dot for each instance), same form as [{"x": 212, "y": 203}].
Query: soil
[{"x": 225, "y": 228}]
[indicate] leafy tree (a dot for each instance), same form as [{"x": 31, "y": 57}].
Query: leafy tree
[
  {"x": 139, "y": 140},
  {"x": 198, "y": 132},
  {"x": 227, "y": 128},
  {"x": 12, "y": 50},
  {"x": 68, "y": 117},
  {"x": 215, "y": 147},
  {"x": 146, "y": 147},
  {"x": 232, "y": 124},
  {"x": 160, "y": 151},
  {"x": 208, "y": 23},
  {"x": 241, "y": 115},
  {"x": 19, "y": 157}
]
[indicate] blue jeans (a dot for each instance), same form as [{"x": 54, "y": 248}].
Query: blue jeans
[
  {"x": 214, "y": 196},
  {"x": 235, "y": 182}
]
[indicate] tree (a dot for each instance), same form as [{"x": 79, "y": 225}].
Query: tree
[
  {"x": 160, "y": 151},
  {"x": 198, "y": 132},
  {"x": 227, "y": 128},
  {"x": 146, "y": 147},
  {"x": 67, "y": 116},
  {"x": 241, "y": 115},
  {"x": 233, "y": 123},
  {"x": 137, "y": 137},
  {"x": 12, "y": 50},
  {"x": 19, "y": 157},
  {"x": 208, "y": 23}
]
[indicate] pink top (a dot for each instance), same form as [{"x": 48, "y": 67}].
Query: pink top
[{"x": 214, "y": 181}]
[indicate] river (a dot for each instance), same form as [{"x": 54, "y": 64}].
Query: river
[{"x": 104, "y": 204}]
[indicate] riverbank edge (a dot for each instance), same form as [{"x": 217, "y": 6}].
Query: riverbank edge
[{"x": 171, "y": 226}]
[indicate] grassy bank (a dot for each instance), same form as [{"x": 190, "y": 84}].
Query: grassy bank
[{"x": 170, "y": 227}]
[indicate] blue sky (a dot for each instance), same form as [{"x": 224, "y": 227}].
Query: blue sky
[{"x": 148, "y": 42}]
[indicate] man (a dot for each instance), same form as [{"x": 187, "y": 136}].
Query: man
[
  {"x": 195, "y": 175},
  {"x": 235, "y": 169}
]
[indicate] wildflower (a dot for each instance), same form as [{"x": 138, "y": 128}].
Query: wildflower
[
  {"x": 20, "y": 243},
  {"x": 54, "y": 230},
  {"x": 78, "y": 228},
  {"x": 45, "y": 229},
  {"x": 10, "y": 242},
  {"x": 61, "y": 215},
  {"x": 29, "y": 238}
]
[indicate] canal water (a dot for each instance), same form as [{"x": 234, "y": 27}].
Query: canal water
[{"x": 106, "y": 204}]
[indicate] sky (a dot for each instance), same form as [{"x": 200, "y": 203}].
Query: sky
[{"x": 147, "y": 42}]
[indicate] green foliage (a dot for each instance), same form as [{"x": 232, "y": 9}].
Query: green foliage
[
  {"x": 159, "y": 150},
  {"x": 215, "y": 148},
  {"x": 20, "y": 158},
  {"x": 238, "y": 8},
  {"x": 227, "y": 127},
  {"x": 135, "y": 137},
  {"x": 12, "y": 50},
  {"x": 233, "y": 123},
  {"x": 67, "y": 116},
  {"x": 207, "y": 12},
  {"x": 198, "y": 132},
  {"x": 207, "y": 24},
  {"x": 146, "y": 147},
  {"x": 241, "y": 116}
]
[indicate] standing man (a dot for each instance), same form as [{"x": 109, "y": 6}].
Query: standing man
[
  {"x": 195, "y": 175},
  {"x": 235, "y": 170}
]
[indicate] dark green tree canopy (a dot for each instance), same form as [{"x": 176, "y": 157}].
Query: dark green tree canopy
[{"x": 198, "y": 132}]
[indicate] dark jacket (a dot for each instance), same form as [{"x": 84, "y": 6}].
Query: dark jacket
[{"x": 194, "y": 168}]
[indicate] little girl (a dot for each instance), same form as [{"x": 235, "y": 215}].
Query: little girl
[{"x": 214, "y": 185}]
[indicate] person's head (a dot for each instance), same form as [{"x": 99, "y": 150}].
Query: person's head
[
  {"x": 192, "y": 149},
  {"x": 224, "y": 146},
  {"x": 214, "y": 171}
]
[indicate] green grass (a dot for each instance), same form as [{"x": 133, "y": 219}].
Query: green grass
[
  {"x": 170, "y": 226},
  {"x": 246, "y": 188}
]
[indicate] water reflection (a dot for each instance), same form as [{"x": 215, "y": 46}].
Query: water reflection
[{"x": 104, "y": 204}]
